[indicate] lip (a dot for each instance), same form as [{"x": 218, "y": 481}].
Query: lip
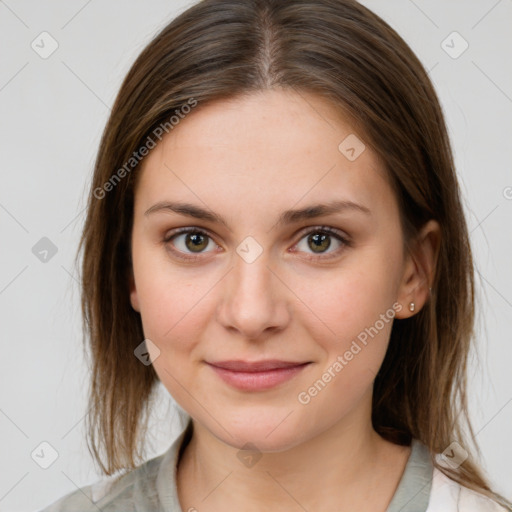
[{"x": 257, "y": 375}]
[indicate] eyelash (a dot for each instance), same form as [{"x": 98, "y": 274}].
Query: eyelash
[{"x": 317, "y": 229}]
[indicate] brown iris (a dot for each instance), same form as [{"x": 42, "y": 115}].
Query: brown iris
[
  {"x": 320, "y": 242},
  {"x": 195, "y": 241}
]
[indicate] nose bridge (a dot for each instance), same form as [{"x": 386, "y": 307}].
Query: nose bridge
[
  {"x": 253, "y": 275},
  {"x": 251, "y": 301}
]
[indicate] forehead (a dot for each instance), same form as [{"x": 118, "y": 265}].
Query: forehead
[{"x": 269, "y": 148}]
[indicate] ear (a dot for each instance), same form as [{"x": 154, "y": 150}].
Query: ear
[
  {"x": 419, "y": 269},
  {"x": 134, "y": 298}
]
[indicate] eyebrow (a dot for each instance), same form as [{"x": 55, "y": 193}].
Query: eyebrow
[{"x": 287, "y": 217}]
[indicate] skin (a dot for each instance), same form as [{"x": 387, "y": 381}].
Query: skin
[{"x": 249, "y": 159}]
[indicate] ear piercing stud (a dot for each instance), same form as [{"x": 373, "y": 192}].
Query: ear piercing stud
[{"x": 412, "y": 306}]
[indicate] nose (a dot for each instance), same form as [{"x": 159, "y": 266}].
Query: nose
[{"x": 254, "y": 300}]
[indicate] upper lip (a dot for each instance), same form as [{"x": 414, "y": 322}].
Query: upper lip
[{"x": 256, "y": 366}]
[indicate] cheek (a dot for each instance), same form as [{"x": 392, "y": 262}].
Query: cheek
[
  {"x": 173, "y": 313},
  {"x": 344, "y": 303},
  {"x": 352, "y": 361},
  {"x": 173, "y": 316},
  {"x": 353, "y": 310},
  {"x": 172, "y": 303}
]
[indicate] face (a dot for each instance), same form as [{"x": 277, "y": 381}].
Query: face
[{"x": 235, "y": 278}]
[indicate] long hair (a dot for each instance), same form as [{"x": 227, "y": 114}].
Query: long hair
[{"x": 339, "y": 50}]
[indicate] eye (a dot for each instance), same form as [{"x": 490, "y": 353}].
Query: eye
[
  {"x": 189, "y": 241},
  {"x": 320, "y": 239}
]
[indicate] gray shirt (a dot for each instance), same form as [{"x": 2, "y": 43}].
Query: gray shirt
[{"x": 152, "y": 486}]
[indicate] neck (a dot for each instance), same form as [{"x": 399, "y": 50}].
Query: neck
[{"x": 347, "y": 466}]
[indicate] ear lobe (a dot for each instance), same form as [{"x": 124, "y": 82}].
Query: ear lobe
[
  {"x": 134, "y": 298},
  {"x": 419, "y": 269}
]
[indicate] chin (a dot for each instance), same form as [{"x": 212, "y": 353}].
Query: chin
[{"x": 266, "y": 431}]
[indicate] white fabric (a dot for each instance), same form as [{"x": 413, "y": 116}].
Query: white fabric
[{"x": 449, "y": 496}]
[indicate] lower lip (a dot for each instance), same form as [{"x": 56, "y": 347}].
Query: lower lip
[{"x": 257, "y": 381}]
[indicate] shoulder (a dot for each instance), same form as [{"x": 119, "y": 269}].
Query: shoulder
[
  {"x": 447, "y": 495},
  {"x": 118, "y": 492}
]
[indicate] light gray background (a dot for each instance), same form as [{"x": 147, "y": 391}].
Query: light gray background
[{"x": 52, "y": 113}]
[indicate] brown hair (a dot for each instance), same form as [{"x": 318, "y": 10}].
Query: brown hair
[{"x": 343, "y": 52}]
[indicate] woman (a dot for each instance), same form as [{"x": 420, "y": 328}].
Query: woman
[{"x": 275, "y": 234}]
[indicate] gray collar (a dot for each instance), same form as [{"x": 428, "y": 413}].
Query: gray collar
[
  {"x": 413, "y": 491},
  {"x": 166, "y": 479}
]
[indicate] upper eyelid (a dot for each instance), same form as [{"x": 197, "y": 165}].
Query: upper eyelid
[
  {"x": 316, "y": 227},
  {"x": 330, "y": 230},
  {"x": 188, "y": 229},
  {"x": 302, "y": 232}
]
